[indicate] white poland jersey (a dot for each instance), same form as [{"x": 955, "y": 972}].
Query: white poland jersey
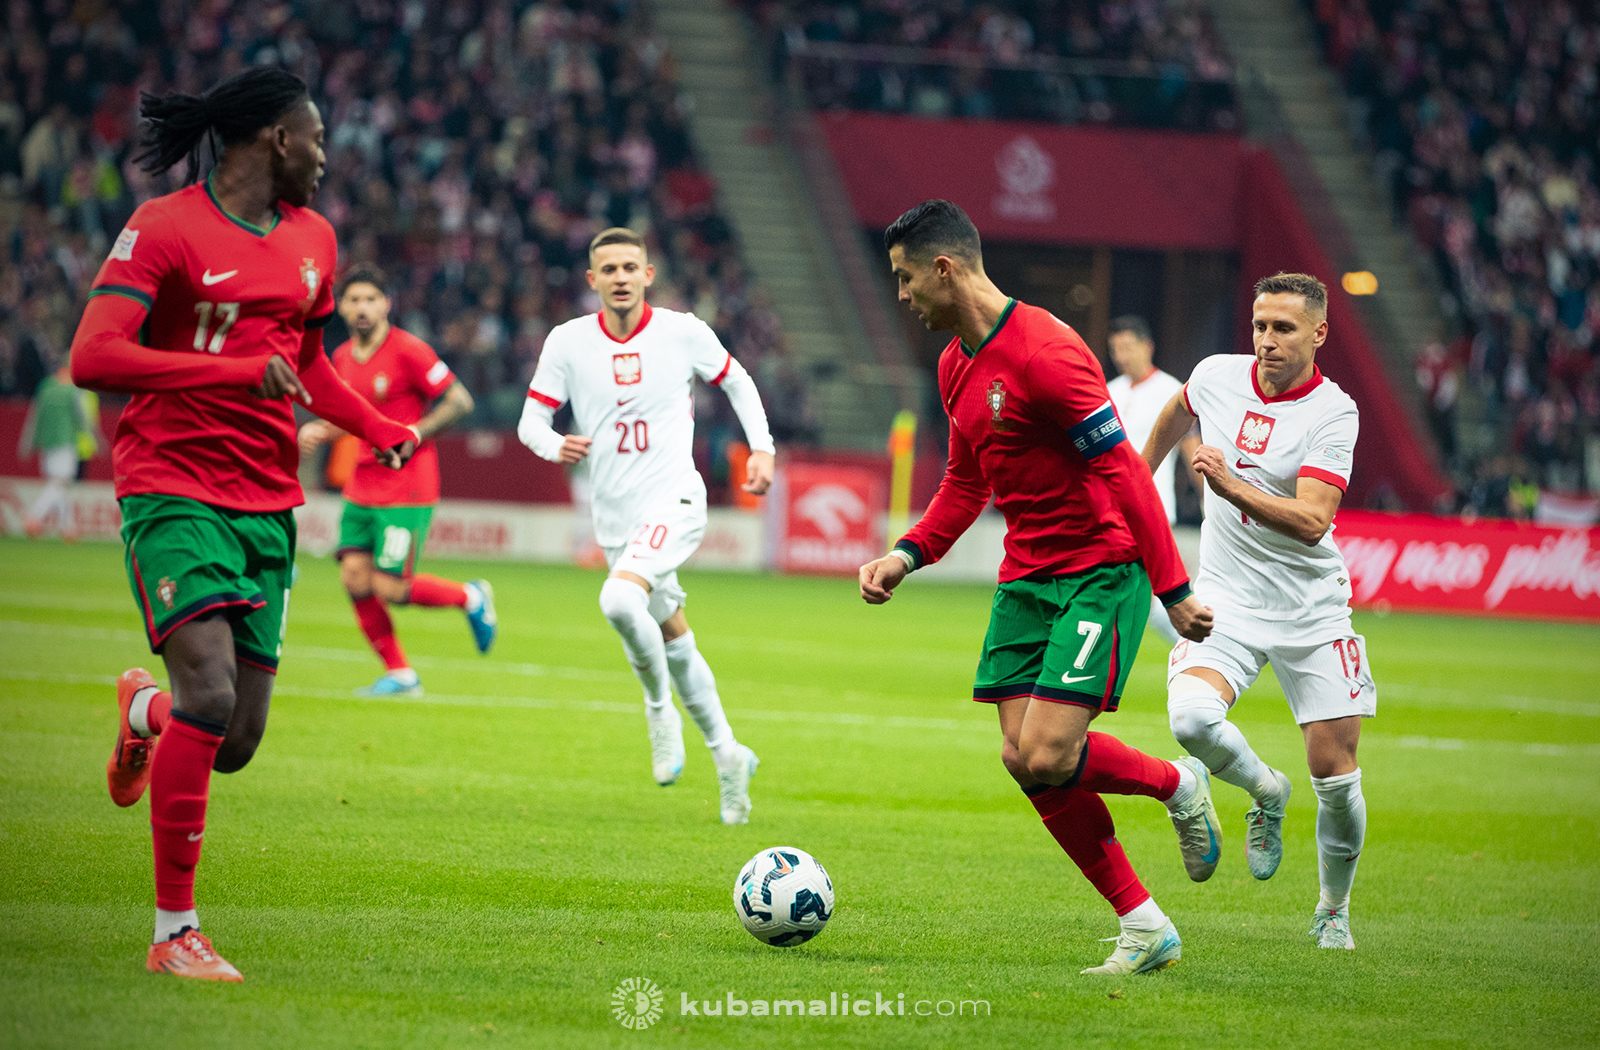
[
  {"x": 1248, "y": 572},
  {"x": 1138, "y": 406},
  {"x": 633, "y": 397}
]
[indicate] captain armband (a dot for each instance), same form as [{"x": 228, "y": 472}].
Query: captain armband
[{"x": 1099, "y": 433}]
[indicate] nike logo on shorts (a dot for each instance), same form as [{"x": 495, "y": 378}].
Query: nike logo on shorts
[{"x": 1068, "y": 679}]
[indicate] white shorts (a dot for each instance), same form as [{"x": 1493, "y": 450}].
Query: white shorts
[
  {"x": 1322, "y": 682},
  {"x": 59, "y": 463},
  {"x": 658, "y": 544}
]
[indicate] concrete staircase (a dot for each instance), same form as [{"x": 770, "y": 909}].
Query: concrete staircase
[
  {"x": 1293, "y": 102},
  {"x": 855, "y": 382}
]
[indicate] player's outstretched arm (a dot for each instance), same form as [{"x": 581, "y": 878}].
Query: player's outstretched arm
[
  {"x": 454, "y": 404},
  {"x": 106, "y": 356},
  {"x": 746, "y": 401},
  {"x": 1305, "y": 517},
  {"x": 332, "y": 398},
  {"x": 1172, "y": 426}
]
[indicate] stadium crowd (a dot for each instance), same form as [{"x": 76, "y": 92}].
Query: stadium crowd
[
  {"x": 474, "y": 148},
  {"x": 1484, "y": 119},
  {"x": 1151, "y": 62}
]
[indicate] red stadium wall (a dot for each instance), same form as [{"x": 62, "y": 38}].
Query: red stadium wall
[{"x": 1044, "y": 183}]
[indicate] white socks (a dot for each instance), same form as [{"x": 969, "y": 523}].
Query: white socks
[
  {"x": 697, "y": 687},
  {"x": 474, "y": 598},
  {"x": 139, "y": 712},
  {"x": 1162, "y": 624},
  {"x": 170, "y": 923},
  {"x": 1341, "y": 830},
  {"x": 1199, "y": 719},
  {"x": 1146, "y": 918},
  {"x": 627, "y": 606},
  {"x": 1188, "y": 784}
]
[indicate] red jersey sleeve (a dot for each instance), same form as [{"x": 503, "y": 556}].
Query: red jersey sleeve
[
  {"x": 961, "y": 498},
  {"x": 431, "y": 375},
  {"x": 106, "y": 354},
  {"x": 1066, "y": 385},
  {"x": 333, "y": 400}
]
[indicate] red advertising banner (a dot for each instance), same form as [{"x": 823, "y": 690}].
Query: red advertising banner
[
  {"x": 832, "y": 519},
  {"x": 1497, "y": 568}
]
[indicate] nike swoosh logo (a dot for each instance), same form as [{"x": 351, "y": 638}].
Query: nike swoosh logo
[
  {"x": 208, "y": 279},
  {"x": 620, "y": 401},
  {"x": 1242, "y": 465},
  {"x": 1354, "y": 693},
  {"x": 193, "y": 837},
  {"x": 1068, "y": 679}
]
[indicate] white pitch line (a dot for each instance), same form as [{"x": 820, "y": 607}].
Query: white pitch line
[{"x": 1542, "y": 750}]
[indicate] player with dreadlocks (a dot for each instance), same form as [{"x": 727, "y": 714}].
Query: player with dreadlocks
[{"x": 209, "y": 312}]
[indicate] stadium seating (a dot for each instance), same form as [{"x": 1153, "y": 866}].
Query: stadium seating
[
  {"x": 1483, "y": 120},
  {"x": 474, "y": 148},
  {"x": 1156, "y": 63}
]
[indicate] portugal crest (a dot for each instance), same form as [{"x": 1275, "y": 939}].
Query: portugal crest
[
  {"x": 166, "y": 590},
  {"x": 996, "y": 399},
  {"x": 311, "y": 276}
]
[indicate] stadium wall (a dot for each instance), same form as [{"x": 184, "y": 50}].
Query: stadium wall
[{"x": 1049, "y": 184}]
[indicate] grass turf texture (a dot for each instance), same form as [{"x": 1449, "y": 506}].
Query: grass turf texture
[{"x": 485, "y": 866}]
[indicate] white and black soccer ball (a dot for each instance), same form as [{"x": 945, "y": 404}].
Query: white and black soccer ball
[{"x": 783, "y": 896}]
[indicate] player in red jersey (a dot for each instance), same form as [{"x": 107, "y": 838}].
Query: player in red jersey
[
  {"x": 386, "y": 513},
  {"x": 1032, "y": 424},
  {"x": 209, "y": 311}
]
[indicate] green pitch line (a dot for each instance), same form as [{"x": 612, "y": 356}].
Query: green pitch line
[{"x": 486, "y": 865}]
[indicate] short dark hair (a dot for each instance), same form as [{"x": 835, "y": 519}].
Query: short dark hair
[
  {"x": 935, "y": 228},
  {"x": 365, "y": 273},
  {"x": 615, "y": 235},
  {"x": 1132, "y": 323},
  {"x": 1281, "y": 283}
]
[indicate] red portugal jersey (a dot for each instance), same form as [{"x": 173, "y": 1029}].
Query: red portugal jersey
[
  {"x": 214, "y": 284},
  {"x": 1032, "y": 423},
  {"x": 401, "y": 379}
]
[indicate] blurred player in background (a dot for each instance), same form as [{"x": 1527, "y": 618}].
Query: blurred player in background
[
  {"x": 209, "y": 311},
  {"x": 386, "y": 513},
  {"x": 1278, "y": 445},
  {"x": 629, "y": 373},
  {"x": 61, "y": 427},
  {"x": 1031, "y": 423},
  {"x": 1140, "y": 392}
]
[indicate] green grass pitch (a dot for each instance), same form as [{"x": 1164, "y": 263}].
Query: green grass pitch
[{"x": 484, "y": 867}]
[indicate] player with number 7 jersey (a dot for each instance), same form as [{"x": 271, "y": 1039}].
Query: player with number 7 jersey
[
  {"x": 1277, "y": 448},
  {"x": 628, "y": 371}
]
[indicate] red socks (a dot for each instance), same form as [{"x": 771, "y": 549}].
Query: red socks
[
  {"x": 1081, "y": 823},
  {"x": 434, "y": 591},
  {"x": 373, "y": 616},
  {"x": 1110, "y": 767},
  {"x": 180, "y": 780}
]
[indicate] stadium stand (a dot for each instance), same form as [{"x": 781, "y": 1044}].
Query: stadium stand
[
  {"x": 1483, "y": 121},
  {"x": 474, "y": 148},
  {"x": 1156, "y": 63}
]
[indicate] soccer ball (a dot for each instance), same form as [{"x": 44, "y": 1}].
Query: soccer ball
[{"x": 783, "y": 896}]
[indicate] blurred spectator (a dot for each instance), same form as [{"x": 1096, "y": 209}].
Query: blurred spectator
[
  {"x": 474, "y": 148},
  {"x": 1156, "y": 62},
  {"x": 1484, "y": 120}
]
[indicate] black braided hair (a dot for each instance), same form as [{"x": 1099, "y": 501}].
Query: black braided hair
[{"x": 231, "y": 112}]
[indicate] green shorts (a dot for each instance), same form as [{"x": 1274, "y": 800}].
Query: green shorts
[
  {"x": 187, "y": 558},
  {"x": 392, "y": 535},
  {"x": 1069, "y": 639}
]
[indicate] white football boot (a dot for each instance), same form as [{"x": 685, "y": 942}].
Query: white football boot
[
  {"x": 1331, "y": 928},
  {"x": 1141, "y": 952},
  {"x": 1263, "y": 834},
  {"x": 666, "y": 742},
  {"x": 733, "y": 785},
  {"x": 1199, "y": 830}
]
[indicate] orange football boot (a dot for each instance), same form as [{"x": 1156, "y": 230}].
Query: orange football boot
[
  {"x": 190, "y": 955},
  {"x": 128, "y": 769}
]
